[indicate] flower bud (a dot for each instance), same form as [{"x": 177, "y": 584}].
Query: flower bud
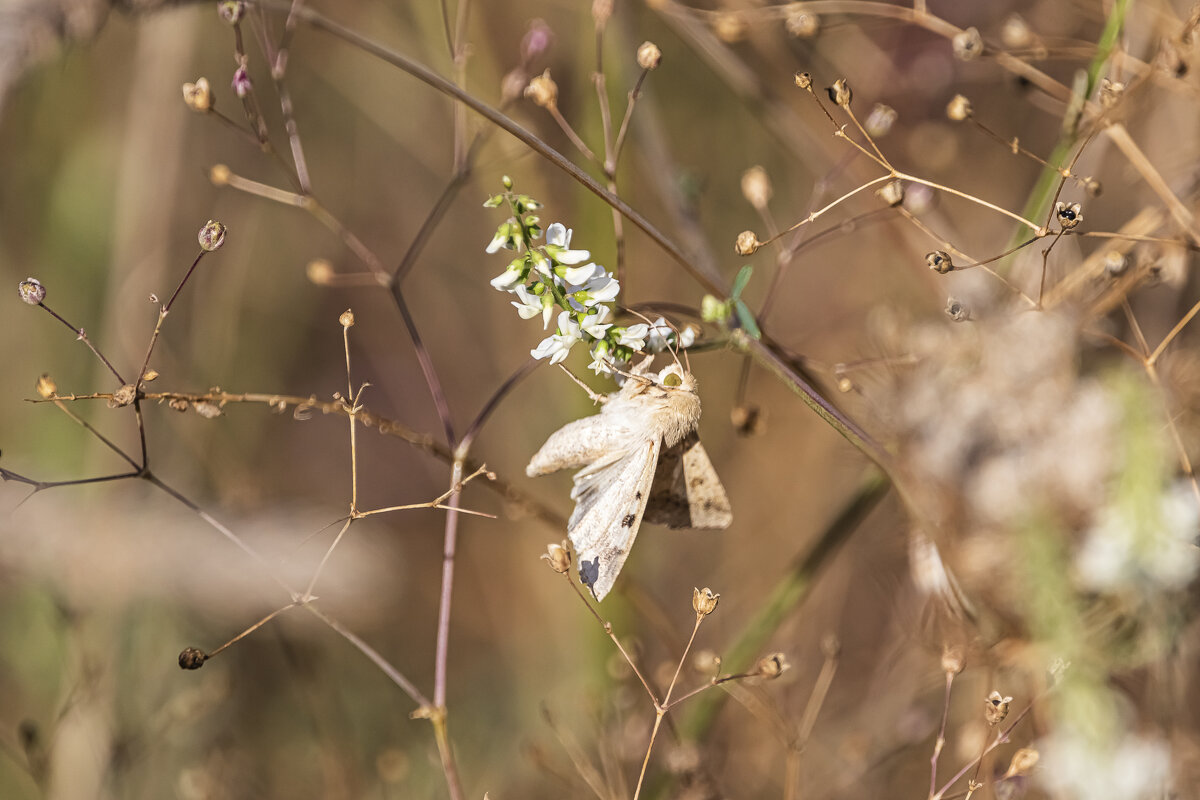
[
  {"x": 840, "y": 92},
  {"x": 46, "y": 387},
  {"x": 231, "y": 11},
  {"x": 967, "y": 45},
  {"x": 558, "y": 556},
  {"x": 347, "y": 318},
  {"x": 746, "y": 243},
  {"x": 995, "y": 708},
  {"x": 959, "y": 108},
  {"x": 891, "y": 193},
  {"x": 649, "y": 56},
  {"x": 772, "y": 666},
  {"x": 802, "y": 24},
  {"x": 1023, "y": 762},
  {"x": 952, "y": 660},
  {"x": 192, "y": 658},
  {"x": 880, "y": 121},
  {"x": 31, "y": 291},
  {"x": 713, "y": 310},
  {"x": 957, "y": 310},
  {"x": 319, "y": 271},
  {"x": 198, "y": 96},
  {"x": 241, "y": 83},
  {"x": 704, "y": 601},
  {"x": 542, "y": 90},
  {"x": 756, "y": 187},
  {"x": 729, "y": 27},
  {"x": 939, "y": 261},
  {"x": 536, "y": 40},
  {"x": 211, "y": 236}
]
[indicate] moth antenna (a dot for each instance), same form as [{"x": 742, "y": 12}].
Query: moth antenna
[{"x": 674, "y": 351}]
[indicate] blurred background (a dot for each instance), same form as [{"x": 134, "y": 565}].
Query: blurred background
[{"x": 105, "y": 183}]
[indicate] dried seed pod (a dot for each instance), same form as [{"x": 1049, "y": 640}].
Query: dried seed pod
[
  {"x": 192, "y": 658},
  {"x": 995, "y": 708},
  {"x": 1068, "y": 216},
  {"x": 967, "y": 44},
  {"x": 957, "y": 310},
  {"x": 198, "y": 96},
  {"x": 558, "y": 556},
  {"x": 704, "y": 601},
  {"x": 959, "y": 108},
  {"x": 542, "y": 90},
  {"x": 123, "y": 396},
  {"x": 756, "y": 187},
  {"x": 891, "y": 193},
  {"x": 347, "y": 318},
  {"x": 1023, "y": 762},
  {"x": 803, "y": 80},
  {"x": 840, "y": 92},
  {"x": 881, "y": 119},
  {"x": 211, "y": 236},
  {"x": 649, "y": 56},
  {"x": 1015, "y": 32},
  {"x": 772, "y": 666},
  {"x": 746, "y": 243},
  {"x": 939, "y": 261},
  {"x": 1111, "y": 92}
]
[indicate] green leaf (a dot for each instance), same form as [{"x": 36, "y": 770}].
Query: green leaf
[
  {"x": 739, "y": 283},
  {"x": 746, "y": 319}
]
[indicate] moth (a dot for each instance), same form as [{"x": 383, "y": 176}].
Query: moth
[{"x": 641, "y": 461}]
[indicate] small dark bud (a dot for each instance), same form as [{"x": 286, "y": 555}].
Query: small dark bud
[
  {"x": 192, "y": 658},
  {"x": 241, "y": 83}
]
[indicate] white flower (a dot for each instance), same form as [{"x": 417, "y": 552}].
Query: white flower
[
  {"x": 660, "y": 334},
  {"x": 602, "y": 288},
  {"x": 558, "y": 346},
  {"x": 560, "y": 236},
  {"x": 600, "y": 364},
  {"x": 528, "y": 304},
  {"x": 634, "y": 337},
  {"x": 594, "y": 325},
  {"x": 507, "y": 280},
  {"x": 687, "y": 336},
  {"x": 578, "y": 276},
  {"x": 502, "y": 239}
]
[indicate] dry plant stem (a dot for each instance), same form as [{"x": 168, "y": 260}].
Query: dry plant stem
[
  {"x": 83, "y": 337},
  {"x": 279, "y": 62},
  {"x": 1000, "y": 739},
  {"x": 607, "y": 627},
  {"x": 580, "y": 145},
  {"x": 492, "y": 403},
  {"x": 940, "y": 742},
  {"x": 394, "y": 675},
  {"x": 660, "y": 709},
  {"x": 162, "y": 315},
  {"x": 252, "y": 629},
  {"x": 623, "y": 131}
]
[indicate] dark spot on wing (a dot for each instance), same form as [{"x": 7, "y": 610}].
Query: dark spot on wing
[
  {"x": 628, "y": 521},
  {"x": 639, "y": 495},
  {"x": 589, "y": 572}
]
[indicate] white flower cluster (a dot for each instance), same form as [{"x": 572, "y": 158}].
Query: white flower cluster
[{"x": 554, "y": 278}]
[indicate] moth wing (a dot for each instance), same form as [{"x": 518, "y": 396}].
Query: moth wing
[
  {"x": 687, "y": 493},
  {"x": 610, "y": 500},
  {"x": 576, "y": 444}
]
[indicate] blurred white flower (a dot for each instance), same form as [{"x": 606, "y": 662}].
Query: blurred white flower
[
  {"x": 1125, "y": 550},
  {"x": 1077, "y": 767}
]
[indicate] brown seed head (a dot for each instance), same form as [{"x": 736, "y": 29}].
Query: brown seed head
[
  {"x": 198, "y": 96},
  {"x": 746, "y": 243},
  {"x": 542, "y": 90},
  {"x": 891, "y": 193},
  {"x": 995, "y": 708},
  {"x": 1068, "y": 215},
  {"x": 967, "y": 44},
  {"x": 803, "y": 80},
  {"x": 192, "y": 658},
  {"x": 46, "y": 387},
  {"x": 219, "y": 175},
  {"x": 729, "y": 27},
  {"x": 346, "y": 319},
  {"x": 1111, "y": 92},
  {"x": 558, "y": 557},
  {"x": 939, "y": 261},
  {"x": 649, "y": 56},
  {"x": 953, "y": 660},
  {"x": 123, "y": 396},
  {"x": 772, "y": 666},
  {"x": 1015, "y": 32},
  {"x": 319, "y": 271},
  {"x": 957, "y": 310},
  {"x": 704, "y": 601},
  {"x": 840, "y": 92},
  {"x": 959, "y": 108}
]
